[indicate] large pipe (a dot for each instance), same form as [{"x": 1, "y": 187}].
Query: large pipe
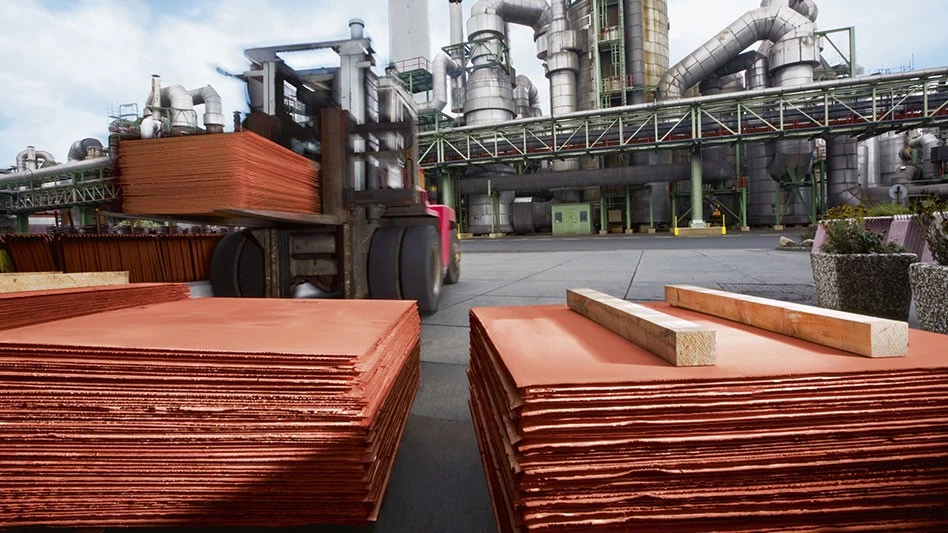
[
  {"x": 635, "y": 50},
  {"x": 182, "y": 100},
  {"x": 842, "y": 166},
  {"x": 636, "y": 175},
  {"x": 442, "y": 67},
  {"x": 489, "y": 94},
  {"x": 79, "y": 150},
  {"x": 769, "y": 23},
  {"x": 28, "y": 175},
  {"x": 213, "y": 110},
  {"x": 30, "y": 156},
  {"x": 457, "y": 38},
  {"x": 526, "y": 98}
]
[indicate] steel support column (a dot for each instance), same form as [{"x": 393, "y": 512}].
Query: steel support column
[{"x": 697, "y": 190}]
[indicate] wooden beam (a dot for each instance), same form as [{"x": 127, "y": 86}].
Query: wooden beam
[
  {"x": 44, "y": 281},
  {"x": 680, "y": 342},
  {"x": 859, "y": 334}
]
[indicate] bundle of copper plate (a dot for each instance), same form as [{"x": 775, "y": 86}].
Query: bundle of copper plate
[
  {"x": 30, "y": 253},
  {"x": 37, "y": 307},
  {"x": 147, "y": 258},
  {"x": 199, "y": 174},
  {"x": 207, "y": 412},
  {"x": 581, "y": 430}
]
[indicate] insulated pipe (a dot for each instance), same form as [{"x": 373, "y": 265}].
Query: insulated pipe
[
  {"x": 442, "y": 67},
  {"x": 490, "y": 16},
  {"x": 770, "y": 23},
  {"x": 178, "y": 99},
  {"x": 29, "y": 175},
  {"x": 635, "y": 50},
  {"x": 457, "y": 38},
  {"x": 806, "y": 8},
  {"x": 489, "y": 92},
  {"x": 526, "y": 97},
  {"x": 213, "y": 113},
  {"x": 80, "y": 149},
  {"x": 842, "y": 166},
  {"x": 31, "y": 154},
  {"x": 636, "y": 175}
]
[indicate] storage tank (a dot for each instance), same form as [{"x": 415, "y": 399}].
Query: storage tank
[{"x": 480, "y": 213}]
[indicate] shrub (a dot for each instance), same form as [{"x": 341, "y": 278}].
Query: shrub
[
  {"x": 931, "y": 215},
  {"x": 850, "y": 236},
  {"x": 887, "y": 209}
]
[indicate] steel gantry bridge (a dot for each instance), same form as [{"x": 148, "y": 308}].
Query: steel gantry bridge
[
  {"x": 83, "y": 183},
  {"x": 863, "y": 107}
]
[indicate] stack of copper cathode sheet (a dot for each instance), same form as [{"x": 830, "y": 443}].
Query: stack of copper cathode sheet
[
  {"x": 206, "y": 412},
  {"x": 37, "y": 307},
  {"x": 147, "y": 258},
  {"x": 582, "y": 430},
  {"x": 30, "y": 253},
  {"x": 198, "y": 174}
]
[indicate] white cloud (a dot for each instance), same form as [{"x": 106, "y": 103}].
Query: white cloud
[{"x": 65, "y": 65}]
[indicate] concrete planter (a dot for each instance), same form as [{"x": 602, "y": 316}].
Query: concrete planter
[
  {"x": 930, "y": 287},
  {"x": 868, "y": 284}
]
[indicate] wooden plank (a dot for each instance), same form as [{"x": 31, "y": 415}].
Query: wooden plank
[
  {"x": 680, "y": 342},
  {"x": 859, "y": 334},
  {"x": 44, "y": 281}
]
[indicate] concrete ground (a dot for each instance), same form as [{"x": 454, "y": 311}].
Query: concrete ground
[{"x": 438, "y": 484}]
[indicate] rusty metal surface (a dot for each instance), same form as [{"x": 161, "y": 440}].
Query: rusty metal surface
[
  {"x": 209, "y": 412},
  {"x": 201, "y": 173},
  {"x": 582, "y": 430}
]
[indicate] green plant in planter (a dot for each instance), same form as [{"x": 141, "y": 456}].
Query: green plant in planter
[
  {"x": 850, "y": 236},
  {"x": 857, "y": 271},
  {"x": 930, "y": 280},
  {"x": 934, "y": 226}
]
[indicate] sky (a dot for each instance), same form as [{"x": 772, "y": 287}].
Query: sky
[{"x": 66, "y": 64}]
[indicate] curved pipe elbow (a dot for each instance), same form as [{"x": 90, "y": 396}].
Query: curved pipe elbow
[{"x": 762, "y": 24}]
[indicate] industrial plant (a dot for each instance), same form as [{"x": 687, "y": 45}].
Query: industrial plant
[{"x": 255, "y": 317}]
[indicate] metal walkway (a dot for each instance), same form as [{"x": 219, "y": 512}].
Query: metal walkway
[
  {"x": 863, "y": 107},
  {"x": 91, "y": 184}
]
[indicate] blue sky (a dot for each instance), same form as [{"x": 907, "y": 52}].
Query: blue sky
[{"x": 67, "y": 62}]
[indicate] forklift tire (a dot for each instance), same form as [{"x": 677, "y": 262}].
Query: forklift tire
[
  {"x": 421, "y": 267},
  {"x": 453, "y": 273},
  {"x": 237, "y": 267},
  {"x": 384, "y": 251}
]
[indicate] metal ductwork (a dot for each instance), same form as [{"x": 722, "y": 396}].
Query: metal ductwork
[
  {"x": 842, "y": 166},
  {"x": 73, "y": 166},
  {"x": 181, "y": 101},
  {"x": 80, "y": 149},
  {"x": 780, "y": 24},
  {"x": 635, "y": 40},
  {"x": 526, "y": 98},
  {"x": 32, "y": 159},
  {"x": 457, "y": 37},
  {"x": 906, "y": 174},
  {"x": 925, "y": 143},
  {"x": 490, "y": 16},
  {"x": 213, "y": 111},
  {"x": 543, "y": 181},
  {"x": 443, "y": 66},
  {"x": 489, "y": 94}
]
